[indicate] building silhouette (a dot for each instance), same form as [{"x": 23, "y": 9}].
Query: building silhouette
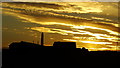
[
  {"x": 64, "y": 44},
  {"x": 84, "y": 49},
  {"x": 23, "y": 45},
  {"x": 21, "y": 54}
]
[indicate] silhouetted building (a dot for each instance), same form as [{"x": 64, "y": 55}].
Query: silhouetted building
[
  {"x": 64, "y": 44},
  {"x": 84, "y": 49},
  {"x": 23, "y": 44}
]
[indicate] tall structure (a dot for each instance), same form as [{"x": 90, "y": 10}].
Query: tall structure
[{"x": 42, "y": 39}]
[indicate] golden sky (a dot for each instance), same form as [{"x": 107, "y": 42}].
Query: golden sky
[{"x": 93, "y": 25}]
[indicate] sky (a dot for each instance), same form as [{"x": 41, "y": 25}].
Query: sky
[
  {"x": 93, "y": 25},
  {"x": 62, "y": 0}
]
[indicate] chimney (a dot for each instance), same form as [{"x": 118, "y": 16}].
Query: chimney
[{"x": 42, "y": 39}]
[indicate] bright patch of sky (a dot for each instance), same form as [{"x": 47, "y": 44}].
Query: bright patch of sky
[{"x": 61, "y": 0}]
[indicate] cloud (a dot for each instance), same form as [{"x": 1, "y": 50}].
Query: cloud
[
  {"x": 61, "y": 0},
  {"x": 6, "y": 0},
  {"x": 72, "y": 19},
  {"x": 106, "y": 0},
  {"x": 31, "y": 0},
  {"x": 48, "y": 0}
]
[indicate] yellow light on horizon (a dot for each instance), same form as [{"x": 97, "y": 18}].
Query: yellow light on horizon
[{"x": 93, "y": 42}]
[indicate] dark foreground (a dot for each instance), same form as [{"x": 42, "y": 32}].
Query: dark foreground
[{"x": 51, "y": 57}]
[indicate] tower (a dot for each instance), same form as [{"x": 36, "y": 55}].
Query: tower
[{"x": 42, "y": 39}]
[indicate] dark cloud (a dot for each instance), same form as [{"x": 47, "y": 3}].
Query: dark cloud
[
  {"x": 62, "y": 20},
  {"x": 37, "y": 4},
  {"x": 6, "y": 0}
]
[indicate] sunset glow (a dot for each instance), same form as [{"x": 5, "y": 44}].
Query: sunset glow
[{"x": 89, "y": 24}]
